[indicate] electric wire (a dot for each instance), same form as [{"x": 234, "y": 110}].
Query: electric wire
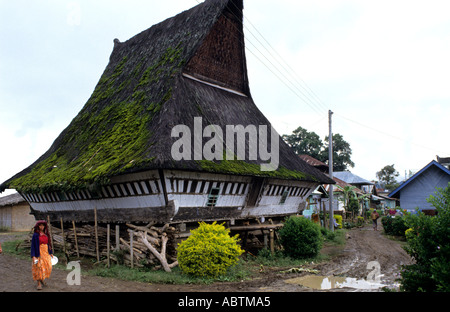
[
  {"x": 390, "y": 135},
  {"x": 310, "y": 98},
  {"x": 280, "y": 75}
]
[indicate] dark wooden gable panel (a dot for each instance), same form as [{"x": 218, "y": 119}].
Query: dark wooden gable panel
[{"x": 220, "y": 59}]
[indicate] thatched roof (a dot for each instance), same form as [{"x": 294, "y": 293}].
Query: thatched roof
[
  {"x": 10, "y": 200},
  {"x": 126, "y": 124}
]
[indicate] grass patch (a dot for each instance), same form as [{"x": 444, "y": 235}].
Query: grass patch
[
  {"x": 143, "y": 275},
  {"x": 249, "y": 267}
]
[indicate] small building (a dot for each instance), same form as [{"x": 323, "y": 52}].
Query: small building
[
  {"x": 413, "y": 193},
  {"x": 15, "y": 213}
]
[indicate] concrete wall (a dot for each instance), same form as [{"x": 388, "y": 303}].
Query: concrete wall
[{"x": 16, "y": 217}]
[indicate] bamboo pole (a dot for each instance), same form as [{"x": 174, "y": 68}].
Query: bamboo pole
[
  {"x": 96, "y": 234},
  {"x": 272, "y": 245},
  {"x": 63, "y": 236},
  {"x": 117, "y": 237},
  {"x": 50, "y": 232},
  {"x": 131, "y": 248},
  {"x": 76, "y": 239},
  {"x": 108, "y": 244}
]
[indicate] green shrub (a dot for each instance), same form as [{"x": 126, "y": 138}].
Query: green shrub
[
  {"x": 428, "y": 242},
  {"x": 300, "y": 237},
  {"x": 394, "y": 225},
  {"x": 327, "y": 234},
  {"x": 353, "y": 205},
  {"x": 209, "y": 251},
  {"x": 349, "y": 225}
]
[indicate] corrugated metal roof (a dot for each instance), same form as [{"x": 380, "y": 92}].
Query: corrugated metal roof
[
  {"x": 433, "y": 163},
  {"x": 351, "y": 178}
]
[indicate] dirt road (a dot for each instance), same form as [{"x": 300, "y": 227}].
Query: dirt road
[{"x": 362, "y": 246}]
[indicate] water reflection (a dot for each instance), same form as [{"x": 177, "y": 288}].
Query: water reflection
[{"x": 331, "y": 282}]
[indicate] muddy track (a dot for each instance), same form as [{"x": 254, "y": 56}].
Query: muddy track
[{"x": 362, "y": 246}]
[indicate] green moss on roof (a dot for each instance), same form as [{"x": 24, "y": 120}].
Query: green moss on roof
[
  {"x": 120, "y": 129},
  {"x": 107, "y": 140},
  {"x": 239, "y": 167}
]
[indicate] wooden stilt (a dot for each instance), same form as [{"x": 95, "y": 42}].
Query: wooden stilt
[
  {"x": 272, "y": 245},
  {"x": 108, "y": 247},
  {"x": 117, "y": 237},
  {"x": 96, "y": 234},
  {"x": 50, "y": 232},
  {"x": 63, "y": 237},
  {"x": 76, "y": 239},
  {"x": 131, "y": 248}
]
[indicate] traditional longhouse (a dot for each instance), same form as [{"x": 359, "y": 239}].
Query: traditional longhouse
[{"x": 116, "y": 154}]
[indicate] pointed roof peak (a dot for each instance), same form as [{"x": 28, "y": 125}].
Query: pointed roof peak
[{"x": 126, "y": 124}]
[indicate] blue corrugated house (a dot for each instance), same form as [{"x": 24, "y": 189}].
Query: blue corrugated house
[{"x": 413, "y": 193}]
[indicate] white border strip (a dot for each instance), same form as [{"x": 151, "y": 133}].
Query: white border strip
[{"x": 214, "y": 85}]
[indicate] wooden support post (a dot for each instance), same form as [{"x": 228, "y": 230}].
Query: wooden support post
[
  {"x": 50, "y": 233},
  {"x": 96, "y": 234},
  {"x": 63, "y": 236},
  {"x": 108, "y": 244},
  {"x": 76, "y": 239},
  {"x": 117, "y": 237},
  {"x": 272, "y": 245},
  {"x": 245, "y": 239},
  {"x": 131, "y": 248}
]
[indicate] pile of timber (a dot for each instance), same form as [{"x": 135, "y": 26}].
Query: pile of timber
[
  {"x": 154, "y": 244},
  {"x": 148, "y": 246}
]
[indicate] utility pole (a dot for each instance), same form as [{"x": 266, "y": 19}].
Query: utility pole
[{"x": 330, "y": 166}]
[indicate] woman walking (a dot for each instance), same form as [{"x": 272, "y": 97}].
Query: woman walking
[{"x": 42, "y": 253}]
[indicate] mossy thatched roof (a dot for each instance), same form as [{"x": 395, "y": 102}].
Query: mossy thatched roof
[{"x": 125, "y": 126}]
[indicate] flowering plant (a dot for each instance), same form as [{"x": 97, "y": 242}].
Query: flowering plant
[{"x": 209, "y": 251}]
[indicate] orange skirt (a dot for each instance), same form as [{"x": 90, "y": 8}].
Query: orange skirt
[{"x": 43, "y": 268}]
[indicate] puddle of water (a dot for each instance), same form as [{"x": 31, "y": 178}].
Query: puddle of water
[{"x": 330, "y": 282}]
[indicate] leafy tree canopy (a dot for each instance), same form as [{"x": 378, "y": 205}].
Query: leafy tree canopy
[
  {"x": 304, "y": 142},
  {"x": 387, "y": 176},
  {"x": 309, "y": 143}
]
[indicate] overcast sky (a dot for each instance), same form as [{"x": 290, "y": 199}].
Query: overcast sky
[{"x": 383, "y": 68}]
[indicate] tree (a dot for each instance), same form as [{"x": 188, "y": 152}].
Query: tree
[
  {"x": 347, "y": 193},
  {"x": 309, "y": 143},
  {"x": 304, "y": 142},
  {"x": 342, "y": 153},
  {"x": 387, "y": 176},
  {"x": 349, "y": 199}
]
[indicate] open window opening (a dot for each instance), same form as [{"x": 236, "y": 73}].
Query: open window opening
[{"x": 213, "y": 197}]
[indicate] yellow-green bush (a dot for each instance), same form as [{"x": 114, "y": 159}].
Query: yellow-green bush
[
  {"x": 209, "y": 251},
  {"x": 338, "y": 219}
]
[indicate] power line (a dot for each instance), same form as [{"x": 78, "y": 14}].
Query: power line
[
  {"x": 288, "y": 69},
  {"x": 390, "y": 135},
  {"x": 286, "y": 81}
]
